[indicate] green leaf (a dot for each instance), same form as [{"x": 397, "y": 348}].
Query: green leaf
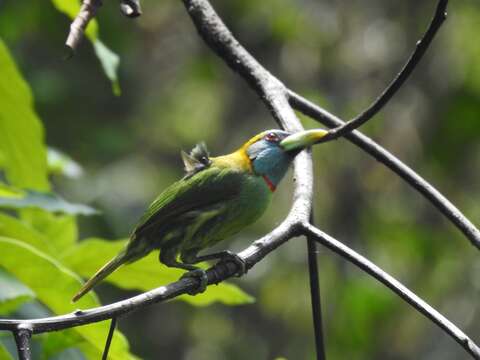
[
  {"x": 15, "y": 228},
  {"x": 13, "y": 293},
  {"x": 108, "y": 59},
  {"x": 151, "y": 272},
  {"x": 54, "y": 286},
  {"x": 60, "y": 230},
  {"x": 46, "y": 201},
  {"x": 60, "y": 163},
  {"x": 56, "y": 342},
  {"x": 21, "y": 132},
  {"x": 110, "y": 62},
  {"x": 9, "y": 192},
  {"x": 4, "y": 354}
]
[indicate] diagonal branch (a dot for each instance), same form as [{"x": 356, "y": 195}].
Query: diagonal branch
[
  {"x": 450, "y": 211},
  {"x": 397, "y": 287},
  {"x": 414, "y": 59},
  {"x": 221, "y": 271},
  {"x": 87, "y": 12}
]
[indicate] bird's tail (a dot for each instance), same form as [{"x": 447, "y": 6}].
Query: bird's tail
[{"x": 101, "y": 274}]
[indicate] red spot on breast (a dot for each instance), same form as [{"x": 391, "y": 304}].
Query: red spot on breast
[{"x": 270, "y": 185}]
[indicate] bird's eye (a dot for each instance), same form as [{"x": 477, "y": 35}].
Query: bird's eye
[{"x": 272, "y": 137}]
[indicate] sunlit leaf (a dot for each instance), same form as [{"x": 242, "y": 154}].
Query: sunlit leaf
[
  {"x": 151, "y": 272},
  {"x": 9, "y": 192},
  {"x": 4, "y": 354},
  {"x": 58, "y": 341},
  {"x": 13, "y": 293},
  {"x": 55, "y": 290},
  {"x": 46, "y": 201},
  {"x": 12, "y": 227},
  {"x": 60, "y": 163},
  {"x": 60, "y": 230},
  {"x": 21, "y": 132},
  {"x": 110, "y": 62}
]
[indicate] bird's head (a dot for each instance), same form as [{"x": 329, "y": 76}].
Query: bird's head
[{"x": 272, "y": 151}]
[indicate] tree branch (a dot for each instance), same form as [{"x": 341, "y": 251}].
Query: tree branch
[
  {"x": 130, "y": 8},
  {"x": 450, "y": 211},
  {"x": 23, "y": 334},
  {"x": 87, "y": 12},
  {"x": 276, "y": 97},
  {"x": 111, "y": 330},
  {"x": 421, "y": 48},
  {"x": 315, "y": 298},
  {"x": 397, "y": 287}
]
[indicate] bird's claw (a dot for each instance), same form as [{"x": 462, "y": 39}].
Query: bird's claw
[
  {"x": 239, "y": 262},
  {"x": 202, "y": 278}
]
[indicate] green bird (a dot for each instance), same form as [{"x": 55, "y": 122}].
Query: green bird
[{"x": 217, "y": 198}]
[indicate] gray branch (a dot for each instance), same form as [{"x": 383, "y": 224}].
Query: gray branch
[
  {"x": 23, "y": 334},
  {"x": 87, "y": 12},
  {"x": 450, "y": 211},
  {"x": 396, "y": 286}
]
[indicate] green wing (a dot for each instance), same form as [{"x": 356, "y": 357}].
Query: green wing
[{"x": 202, "y": 190}]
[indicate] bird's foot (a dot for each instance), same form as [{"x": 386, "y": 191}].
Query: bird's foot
[
  {"x": 201, "y": 276},
  {"x": 239, "y": 262}
]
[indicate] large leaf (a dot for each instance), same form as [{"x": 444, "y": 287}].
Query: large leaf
[
  {"x": 13, "y": 293},
  {"x": 24, "y": 157},
  {"x": 91, "y": 254},
  {"x": 7, "y": 191},
  {"x": 55, "y": 290},
  {"x": 4, "y": 354},
  {"x": 57, "y": 342},
  {"x": 12, "y": 227},
  {"x": 60, "y": 230},
  {"x": 43, "y": 200},
  {"x": 108, "y": 59}
]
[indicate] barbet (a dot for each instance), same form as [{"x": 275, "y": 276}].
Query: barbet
[{"x": 217, "y": 198}]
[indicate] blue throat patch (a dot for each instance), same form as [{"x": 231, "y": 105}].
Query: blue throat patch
[{"x": 269, "y": 160}]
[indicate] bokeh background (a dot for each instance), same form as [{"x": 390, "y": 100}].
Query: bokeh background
[{"x": 175, "y": 92}]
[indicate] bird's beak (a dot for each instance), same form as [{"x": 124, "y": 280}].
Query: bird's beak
[{"x": 302, "y": 139}]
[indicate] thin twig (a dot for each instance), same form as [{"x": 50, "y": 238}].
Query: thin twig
[
  {"x": 111, "y": 330},
  {"x": 420, "y": 49},
  {"x": 87, "y": 12},
  {"x": 315, "y": 297},
  {"x": 130, "y": 8},
  {"x": 23, "y": 334},
  {"x": 397, "y": 287},
  {"x": 450, "y": 211}
]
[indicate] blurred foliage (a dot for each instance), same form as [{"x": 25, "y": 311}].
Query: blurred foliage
[{"x": 175, "y": 92}]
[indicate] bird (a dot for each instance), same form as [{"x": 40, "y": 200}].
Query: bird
[{"x": 215, "y": 199}]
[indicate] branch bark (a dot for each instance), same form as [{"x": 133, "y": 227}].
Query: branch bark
[
  {"x": 87, "y": 12},
  {"x": 450, "y": 211},
  {"x": 397, "y": 287},
  {"x": 421, "y": 48},
  {"x": 23, "y": 334}
]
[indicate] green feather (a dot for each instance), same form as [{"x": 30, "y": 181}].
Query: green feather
[{"x": 195, "y": 213}]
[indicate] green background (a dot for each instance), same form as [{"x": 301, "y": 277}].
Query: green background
[{"x": 175, "y": 92}]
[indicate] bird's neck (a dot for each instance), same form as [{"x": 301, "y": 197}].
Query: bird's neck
[{"x": 238, "y": 160}]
